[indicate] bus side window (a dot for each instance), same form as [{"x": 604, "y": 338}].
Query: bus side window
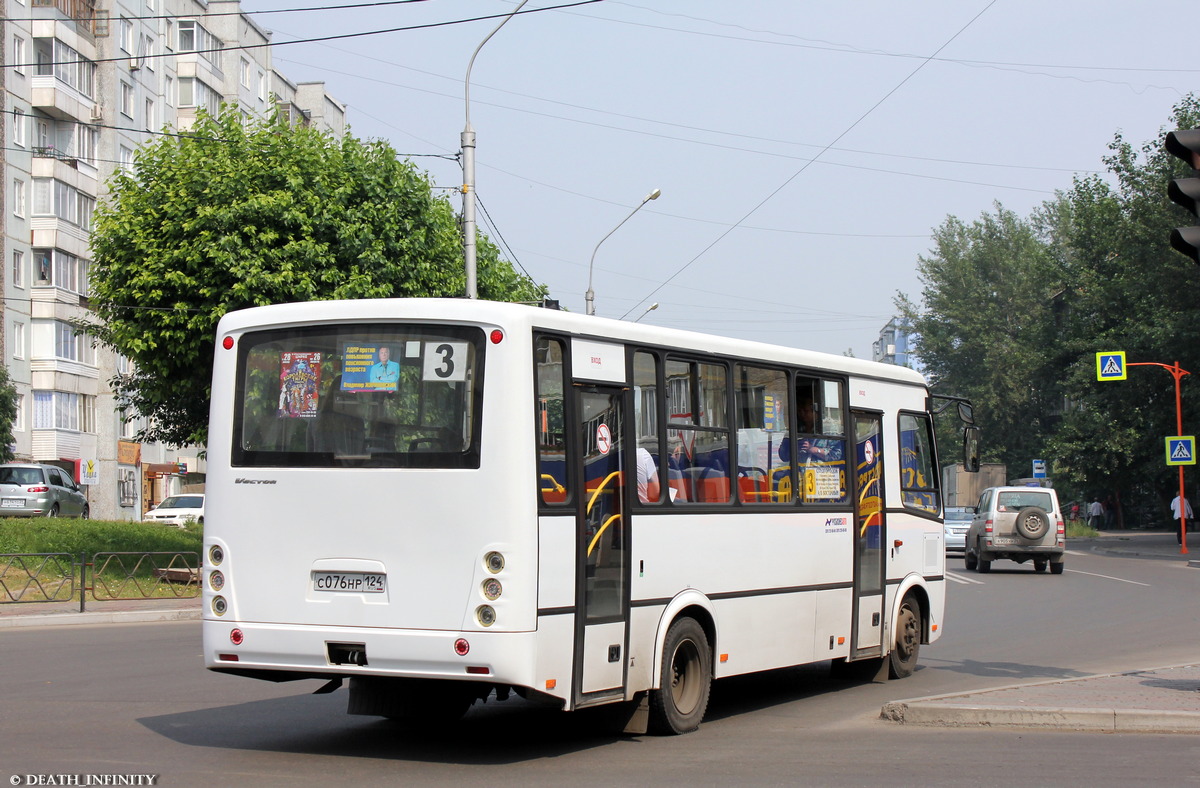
[
  {"x": 762, "y": 431},
  {"x": 648, "y": 450},
  {"x": 549, "y": 386}
]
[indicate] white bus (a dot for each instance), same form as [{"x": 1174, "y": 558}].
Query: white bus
[{"x": 444, "y": 499}]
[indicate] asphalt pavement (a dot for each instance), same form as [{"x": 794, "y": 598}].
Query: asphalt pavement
[{"x": 1162, "y": 699}]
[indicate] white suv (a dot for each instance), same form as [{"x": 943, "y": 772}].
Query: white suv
[{"x": 1019, "y": 524}]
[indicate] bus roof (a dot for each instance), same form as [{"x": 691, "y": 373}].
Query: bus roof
[{"x": 512, "y": 316}]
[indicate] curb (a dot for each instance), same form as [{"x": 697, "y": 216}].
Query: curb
[
  {"x": 1097, "y": 720},
  {"x": 112, "y": 617},
  {"x": 966, "y": 709}
]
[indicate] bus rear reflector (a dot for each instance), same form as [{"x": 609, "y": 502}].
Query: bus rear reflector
[
  {"x": 228, "y": 657},
  {"x": 478, "y": 670}
]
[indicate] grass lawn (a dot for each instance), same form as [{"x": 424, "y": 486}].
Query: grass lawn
[{"x": 40, "y": 578}]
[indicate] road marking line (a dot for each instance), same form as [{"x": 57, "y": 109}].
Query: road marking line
[
  {"x": 1107, "y": 577},
  {"x": 964, "y": 580}
]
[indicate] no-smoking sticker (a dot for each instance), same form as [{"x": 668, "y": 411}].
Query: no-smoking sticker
[{"x": 603, "y": 439}]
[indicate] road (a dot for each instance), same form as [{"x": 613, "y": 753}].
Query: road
[{"x": 134, "y": 699}]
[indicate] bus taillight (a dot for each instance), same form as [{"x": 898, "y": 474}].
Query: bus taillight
[
  {"x": 461, "y": 647},
  {"x": 497, "y": 336},
  {"x": 227, "y": 343},
  {"x": 236, "y": 637}
]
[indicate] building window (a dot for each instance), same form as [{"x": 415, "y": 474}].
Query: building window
[
  {"x": 169, "y": 90},
  {"x": 127, "y": 99},
  {"x": 262, "y": 86},
  {"x": 18, "y": 197},
  {"x": 125, "y": 157},
  {"x": 19, "y": 122},
  {"x": 56, "y": 268},
  {"x": 18, "y": 340},
  {"x": 66, "y": 65},
  {"x": 19, "y": 421},
  {"x": 127, "y": 486},
  {"x": 194, "y": 38},
  {"x": 244, "y": 73},
  {"x": 149, "y": 114},
  {"x": 18, "y": 268},
  {"x": 194, "y": 93},
  {"x": 54, "y": 198},
  {"x": 56, "y": 410},
  {"x": 126, "y": 33},
  {"x": 146, "y": 52},
  {"x": 18, "y": 54}
]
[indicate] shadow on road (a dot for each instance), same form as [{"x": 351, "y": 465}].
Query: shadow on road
[{"x": 511, "y": 731}]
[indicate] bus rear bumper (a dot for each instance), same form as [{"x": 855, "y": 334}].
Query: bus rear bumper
[{"x": 279, "y": 653}]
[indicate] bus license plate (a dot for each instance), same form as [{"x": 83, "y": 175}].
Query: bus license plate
[{"x": 351, "y": 582}]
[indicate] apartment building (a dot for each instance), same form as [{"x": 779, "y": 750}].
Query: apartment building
[{"x": 84, "y": 83}]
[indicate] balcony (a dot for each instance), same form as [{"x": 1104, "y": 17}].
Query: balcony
[{"x": 61, "y": 101}]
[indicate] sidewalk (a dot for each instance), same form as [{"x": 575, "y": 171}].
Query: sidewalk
[
  {"x": 1140, "y": 544},
  {"x": 1161, "y": 700},
  {"x": 122, "y": 611}
]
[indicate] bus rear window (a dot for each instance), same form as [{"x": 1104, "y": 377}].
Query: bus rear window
[{"x": 359, "y": 396}]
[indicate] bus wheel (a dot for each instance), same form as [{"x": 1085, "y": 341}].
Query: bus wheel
[
  {"x": 678, "y": 705},
  {"x": 903, "y": 660}
]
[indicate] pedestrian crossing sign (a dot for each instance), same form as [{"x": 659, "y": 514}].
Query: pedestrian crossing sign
[
  {"x": 1181, "y": 450},
  {"x": 1111, "y": 365}
]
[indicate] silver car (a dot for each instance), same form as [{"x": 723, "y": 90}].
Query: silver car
[
  {"x": 957, "y": 521},
  {"x": 35, "y": 490},
  {"x": 1018, "y": 524}
]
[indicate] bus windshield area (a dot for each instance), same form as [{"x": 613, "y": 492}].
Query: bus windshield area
[{"x": 355, "y": 395}]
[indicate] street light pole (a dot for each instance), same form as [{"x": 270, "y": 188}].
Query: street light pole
[
  {"x": 467, "y": 141},
  {"x": 590, "y": 295}
]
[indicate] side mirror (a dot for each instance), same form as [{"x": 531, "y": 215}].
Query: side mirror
[{"x": 971, "y": 448}]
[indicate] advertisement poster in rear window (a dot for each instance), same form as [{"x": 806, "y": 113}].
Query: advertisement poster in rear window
[
  {"x": 369, "y": 368},
  {"x": 299, "y": 384}
]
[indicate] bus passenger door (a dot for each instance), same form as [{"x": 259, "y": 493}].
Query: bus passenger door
[
  {"x": 602, "y": 535},
  {"x": 870, "y": 533}
]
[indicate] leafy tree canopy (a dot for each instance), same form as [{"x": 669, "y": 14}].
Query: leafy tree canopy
[
  {"x": 1014, "y": 310},
  {"x": 228, "y": 217}
]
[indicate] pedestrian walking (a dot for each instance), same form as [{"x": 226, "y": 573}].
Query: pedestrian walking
[
  {"x": 1096, "y": 514},
  {"x": 1187, "y": 510}
]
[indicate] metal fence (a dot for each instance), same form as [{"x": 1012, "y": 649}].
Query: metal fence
[{"x": 64, "y": 577}]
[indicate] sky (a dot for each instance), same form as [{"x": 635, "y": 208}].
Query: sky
[{"x": 805, "y": 151}]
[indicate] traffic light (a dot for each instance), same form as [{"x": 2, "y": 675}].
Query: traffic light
[{"x": 1186, "y": 191}]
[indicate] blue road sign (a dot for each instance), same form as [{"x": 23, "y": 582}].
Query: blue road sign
[
  {"x": 1111, "y": 365},
  {"x": 1181, "y": 450}
]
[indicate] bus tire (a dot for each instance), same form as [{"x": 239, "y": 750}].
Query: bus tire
[
  {"x": 678, "y": 705},
  {"x": 903, "y": 659}
]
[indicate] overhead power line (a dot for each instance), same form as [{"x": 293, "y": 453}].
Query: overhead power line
[{"x": 341, "y": 36}]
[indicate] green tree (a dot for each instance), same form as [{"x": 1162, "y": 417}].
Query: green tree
[
  {"x": 1127, "y": 290},
  {"x": 227, "y": 217},
  {"x": 984, "y": 330},
  {"x": 8, "y": 415}
]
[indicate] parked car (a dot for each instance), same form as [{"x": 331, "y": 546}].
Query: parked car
[
  {"x": 957, "y": 521},
  {"x": 1018, "y": 524},
  {"x": 177, "y": 510},
  {"x": 35, "y": 490}
]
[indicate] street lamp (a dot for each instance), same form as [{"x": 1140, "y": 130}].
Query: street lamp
[
  {"x": 467, "y": 140},
  {"x": 590, "y": 295},
  {"x": 650, "y": 309}
]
